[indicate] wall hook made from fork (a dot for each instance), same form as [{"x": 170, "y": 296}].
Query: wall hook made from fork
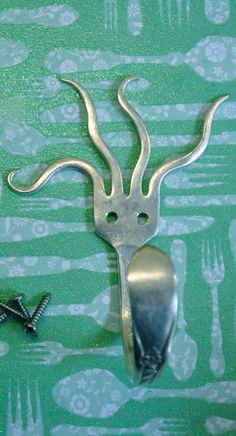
[{"x": 147, "y": 276}]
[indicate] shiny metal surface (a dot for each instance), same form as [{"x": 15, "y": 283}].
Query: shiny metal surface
[
  {"x": 127, "y": 222},
  {"x": 153, "y": 299}
]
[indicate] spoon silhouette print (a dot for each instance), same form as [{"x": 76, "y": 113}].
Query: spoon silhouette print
[{"x": 148, "y": 297}]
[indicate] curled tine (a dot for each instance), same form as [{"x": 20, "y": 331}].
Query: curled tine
[
  {"x": 52, "y": 169},
  {"x": 117, "y": 182},
  {"x": 182, "y": 161},
  {"x": 137, "y": 177}
]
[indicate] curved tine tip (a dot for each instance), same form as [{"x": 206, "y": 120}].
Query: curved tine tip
[
  {"x": 63, "y": 79},
  {"x": 216, "y": 103},
  {"x": 10, "y": 177},
  {"x": 223, "y": 98},
  {"x": 128, "y": 80}
]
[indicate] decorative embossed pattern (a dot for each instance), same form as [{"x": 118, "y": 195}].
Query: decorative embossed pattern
[{"x": 72, "y": 378}]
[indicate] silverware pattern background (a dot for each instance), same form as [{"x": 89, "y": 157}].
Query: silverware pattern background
[{"x": 72, "y": 379}]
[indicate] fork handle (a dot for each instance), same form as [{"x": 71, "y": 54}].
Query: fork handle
[
  {"x": 217, "y": 361},
  {"x": 148, "y": 309}
]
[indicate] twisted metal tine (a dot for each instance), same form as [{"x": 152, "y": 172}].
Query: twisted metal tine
[
  {"x": 186, "y": 159},
  {"x": 117, "y": 181},
  {"x": 52, "y": 169},
  {"x": 137, "y": 176}
]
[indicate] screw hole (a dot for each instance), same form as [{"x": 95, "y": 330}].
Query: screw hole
[
  {"x": 142, "y": 218},
  {"x": 112, "y": 217}
]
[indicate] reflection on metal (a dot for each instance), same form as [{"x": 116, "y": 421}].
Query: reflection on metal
[{"x": 127, "y": 222}]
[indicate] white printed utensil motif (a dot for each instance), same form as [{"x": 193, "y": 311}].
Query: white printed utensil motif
[
  {"x": 173, "y": 12},
  {"x": 213, "y": 58},
  {"x": 23, "y": 139},
  {"x": 232, "y": 236},
  {"x": 218, "y": 425},
  {"x": 12, "y": 53},
  {"x": 28, "y": 266},
  {"x": 52, "y": 353},
  {"x": 110, "y": 15},
  {"x": 50, "y": 86},
  {"x": 17, "y": 229},
  {"x": 24, "y": 407},
  {"x": 213, "y": 272},
  {"x": 217, "y": 11},
  {"x": 155, "y": 426},
  {"x": 232, "y": 240},
  {"x": 134, "y": 17},
  {"x": 184, "y": 201},
  {"x": 184, "y": 351},
  {"x": 4, "y": 348},
  {"x": 49, "y": 16},
  {"x": 108, "y": 394},
  {"x": 104, "y": 309},
  {"x": 110, "y": 112}
]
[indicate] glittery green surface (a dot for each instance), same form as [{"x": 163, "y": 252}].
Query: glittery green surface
[{"x": 186, "y": 52}]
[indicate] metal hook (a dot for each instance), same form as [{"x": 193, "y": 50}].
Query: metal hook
[{"x": 147, "y": 276}]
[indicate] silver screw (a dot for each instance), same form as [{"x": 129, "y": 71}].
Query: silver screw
[
  {"x": 17, "y": 300},
  {"x": 31, "y": 325},
  {"x": 11, "y": 310},
  {"x": 4, "y": 316}
]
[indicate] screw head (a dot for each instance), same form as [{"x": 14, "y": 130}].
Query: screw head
[
  {"x": 31, "y": 329},
  {"x": 18, "y": 297}
]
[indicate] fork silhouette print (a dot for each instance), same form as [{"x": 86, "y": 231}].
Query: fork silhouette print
[
  {"x": 52, "y": 353},
  {"x": 110, "y": 9},
  {"x": 34, "y": 426},
  {"x": 127, "y": 222},
  {"x": 213, "y": 271}
]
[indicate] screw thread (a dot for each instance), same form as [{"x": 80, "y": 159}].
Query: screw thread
[
  {"x": 22, "y": 308},
  {"x": 3, "y": 317},
  {"x": 40, "y": 309},
  {"x": 12, "y": 310}
]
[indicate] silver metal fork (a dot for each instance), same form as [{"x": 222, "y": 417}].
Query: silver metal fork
[
  {"x": 110, "y": 9},
  {"x": 213, "y": 272},
  {"x": 34, "y": 426}
]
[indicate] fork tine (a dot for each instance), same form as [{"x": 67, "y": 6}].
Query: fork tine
[
  {"x": 38, "y": 416},
  {"x": 179, "y": 9},
  {"x": 106, "y": 13},
  {"x": 115, "y": 15},
  {"x": 31, "y": 347},
  {"x": 9, "y": 411},
  {"x": 215, "y": 256},
  {"x": 18, "y": 420},
  {"x": 33, "y": 354},
  {"x": 169, "y": 11},
  {"x": 187, "y": 11},
  {"x": 30, "y": 420},
  {"x": 221, "y": 258},
  {"x": 203, "y": 260}
]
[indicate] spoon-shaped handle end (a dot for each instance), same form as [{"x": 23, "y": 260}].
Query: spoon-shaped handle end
[{"x": 153, "y": 300}]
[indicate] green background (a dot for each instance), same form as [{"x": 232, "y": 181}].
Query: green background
[{"x": 168, "y": 85}]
